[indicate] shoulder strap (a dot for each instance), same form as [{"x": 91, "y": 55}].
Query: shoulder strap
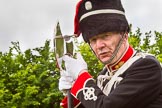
[{"x": 121, "y": 70}]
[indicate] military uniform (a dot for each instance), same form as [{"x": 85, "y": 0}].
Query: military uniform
[
  {"x": 134, "y": 81},
  {"x": 137, "y": 83}
]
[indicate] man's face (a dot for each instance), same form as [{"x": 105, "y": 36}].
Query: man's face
[{"x": 104, "y": 45}]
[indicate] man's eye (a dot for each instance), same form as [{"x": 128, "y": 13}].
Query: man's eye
[
  {"x": 105, "y": 37},
  {"x": 93, "y": 41}
]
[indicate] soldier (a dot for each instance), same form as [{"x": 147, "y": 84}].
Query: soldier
[{"x": 129, "y": 79}]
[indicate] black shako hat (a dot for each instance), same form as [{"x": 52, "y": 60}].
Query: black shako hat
[{"x": 95, "y": 17}]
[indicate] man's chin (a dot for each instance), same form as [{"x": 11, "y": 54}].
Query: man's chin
[{"x": 106, "y": 61}]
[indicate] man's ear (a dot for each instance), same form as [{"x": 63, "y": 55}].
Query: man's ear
[{"x": 126, "y": 35}]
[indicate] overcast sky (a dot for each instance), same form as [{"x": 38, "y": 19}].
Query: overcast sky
[{"x": 31, "y": 22}]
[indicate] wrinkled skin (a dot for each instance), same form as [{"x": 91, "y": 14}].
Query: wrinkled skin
[{"x": 105, "y": 44}]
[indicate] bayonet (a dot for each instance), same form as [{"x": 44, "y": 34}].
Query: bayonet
[{"x": 63, "y": 45}]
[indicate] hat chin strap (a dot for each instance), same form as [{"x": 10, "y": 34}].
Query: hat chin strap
[{"x": 114, "y": 53}]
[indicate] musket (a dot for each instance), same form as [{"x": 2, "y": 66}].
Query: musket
[{"x": 62, "y": 46}]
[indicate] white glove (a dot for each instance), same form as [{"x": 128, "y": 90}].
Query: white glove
[
  {"x": 74, "y": 66},
  {"x": 65, "y": 82}
]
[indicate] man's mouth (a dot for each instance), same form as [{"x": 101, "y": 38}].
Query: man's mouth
[{"x": 104, "y": 54}]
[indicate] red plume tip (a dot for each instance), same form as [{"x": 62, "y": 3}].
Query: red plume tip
[{"x": 77, "y": 31}]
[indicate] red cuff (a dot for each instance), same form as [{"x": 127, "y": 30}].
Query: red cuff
[
  {"x": 79, "y": 83},
  {"x": 64, "y": 102}
]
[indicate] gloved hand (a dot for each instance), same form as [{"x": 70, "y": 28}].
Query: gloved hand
[
  {"x": 74, "y": 66},
  {"x": 65, "y": 82}
]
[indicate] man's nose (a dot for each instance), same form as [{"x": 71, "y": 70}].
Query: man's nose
[{"x": 100, "y": 43}]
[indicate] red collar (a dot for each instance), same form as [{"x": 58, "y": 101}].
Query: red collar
[{"x": 128, "y": 54}]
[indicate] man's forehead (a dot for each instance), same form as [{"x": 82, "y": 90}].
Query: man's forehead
[{"x": 103, "y": 34}]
